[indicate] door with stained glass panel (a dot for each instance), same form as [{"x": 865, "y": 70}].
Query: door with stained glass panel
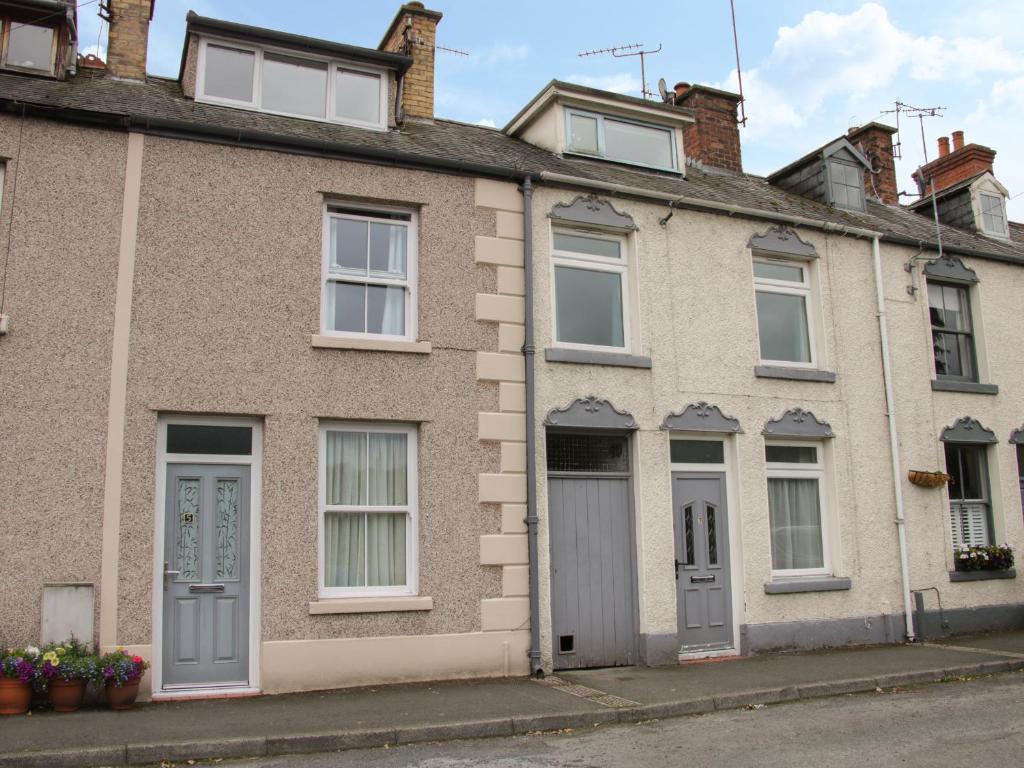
[
  {"x": 703, "y": 588},
  {"x": 206, "y": 576}
]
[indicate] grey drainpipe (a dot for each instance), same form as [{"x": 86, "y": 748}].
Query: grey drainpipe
[{"x": 536, "y": 669}]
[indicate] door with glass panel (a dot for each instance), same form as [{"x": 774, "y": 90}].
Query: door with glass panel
[
  {"x": 206, "y": 576},
  {"x": 703, "y": 588}
]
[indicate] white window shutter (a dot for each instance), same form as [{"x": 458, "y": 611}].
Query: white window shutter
[{"x": 969, "y": 524}]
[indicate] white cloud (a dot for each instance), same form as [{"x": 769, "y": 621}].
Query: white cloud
[
  {"x": 995, "y": 122},
  {"x": 486, "y": 122},
  {"x": 621, "y": 82},
  {"x": 499, "y": 53}
]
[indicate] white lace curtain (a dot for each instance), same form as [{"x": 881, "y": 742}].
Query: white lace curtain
[
  {"x": 795, "y": 511},
  {"x": 365, "y": 548}
]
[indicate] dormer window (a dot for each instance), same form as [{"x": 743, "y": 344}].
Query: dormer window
[
  {"x": 993, "y": 214},
  {"x": 847, "y": 184},
  {"x": 280, "y": 82},
  {"x": 626, "y": 141},
  {"x": 28, "y": 47}
]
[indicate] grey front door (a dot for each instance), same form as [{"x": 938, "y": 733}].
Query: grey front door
[
  {"x": 206, "y": 576},
  {"x": 593, "y": 583},
  {"x": 703, "y": 588}
]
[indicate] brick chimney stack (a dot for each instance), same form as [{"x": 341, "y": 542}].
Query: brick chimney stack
[
  {"x": 965, "y": 161},
  {"x": 128, "y": 38},
  {"x": 413, "y": 32},
  {"x": 714, "y": 139},
  {"x": 874, "y": 140}
]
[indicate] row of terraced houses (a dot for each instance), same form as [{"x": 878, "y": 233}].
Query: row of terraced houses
[{"x": 303, "y": 386}]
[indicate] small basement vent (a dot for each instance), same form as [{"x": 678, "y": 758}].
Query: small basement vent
[
  {"x": 587, "y": 453},
  {"x": 566, "y": 643}
]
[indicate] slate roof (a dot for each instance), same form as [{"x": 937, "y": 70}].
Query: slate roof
[
  {"x": 942, "y": 194},
  {"x": 92, "y": 95}
]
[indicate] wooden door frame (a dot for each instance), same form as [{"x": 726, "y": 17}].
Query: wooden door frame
[{"x": 255, "y": 464}]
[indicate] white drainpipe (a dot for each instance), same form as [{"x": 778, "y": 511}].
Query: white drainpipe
[{"x": 894, "y": 444}]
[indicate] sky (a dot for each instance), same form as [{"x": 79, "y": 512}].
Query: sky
[{"x": 810, "y": 69}]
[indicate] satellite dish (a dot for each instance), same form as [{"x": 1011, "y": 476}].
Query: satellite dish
[{"x": 663, "y": 90}]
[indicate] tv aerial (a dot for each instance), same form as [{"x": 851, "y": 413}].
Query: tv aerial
[{"x": 623, "y": 51}]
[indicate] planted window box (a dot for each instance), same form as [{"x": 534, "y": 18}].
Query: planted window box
[{"x": 972, "y": 559}]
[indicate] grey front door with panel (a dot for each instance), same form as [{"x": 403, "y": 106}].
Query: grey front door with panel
[
  {"x": 206, "y": 576},
  {"x": 703, "y": 588}
]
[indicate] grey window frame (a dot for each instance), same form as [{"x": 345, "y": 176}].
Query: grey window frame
[
  {"x": 986, "y": 486},
  {"x": 601, "y": 151},
  {"x": 833, "y": 181},
  {"x": 971, "y": 333}
]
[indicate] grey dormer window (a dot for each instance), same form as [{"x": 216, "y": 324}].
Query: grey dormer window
[
  {"x": 993, "y": 214},
  {"x": 625, "y": 141},
  {"x": 846, "y": 184}
]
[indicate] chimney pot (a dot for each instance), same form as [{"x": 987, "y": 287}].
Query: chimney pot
[
  {"x": 680, "y": 88},
  {"x": 958, "y": 140},
  {"x": 943, "y": 146}
]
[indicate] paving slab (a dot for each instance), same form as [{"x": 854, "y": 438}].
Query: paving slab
[
  {"x": 356, "y": 709},
  {"x": 1011, "y": 642},
  {"x": 720, "y": 678}
]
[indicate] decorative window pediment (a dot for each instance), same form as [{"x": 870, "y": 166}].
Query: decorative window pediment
[
  {"x": 592, "y": 210},
  {"x": 783, "y": 240},
  {"x": 701, "y": 417},
  {"x": 1017, "y": 436},
  {"x": 796, "y": 422},
  {"x": 590, "y": 413},
  {"x": 950, "y": 267},
  {"x": 968, "y": 430}
]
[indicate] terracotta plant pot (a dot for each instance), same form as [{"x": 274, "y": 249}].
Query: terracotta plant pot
[
  {"x": 66, "y": 695},
  {"x": 122, "y": 697},
  {"x": 15, "y": 696}
]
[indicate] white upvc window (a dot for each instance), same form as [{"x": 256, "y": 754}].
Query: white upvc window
[
  {"x": 590, "y": 290},
  {"x": 783, "y": 294},
  {"x": 29, "y": 47},
  {"x": 993, "y": 214},
  {"x": 287, "y": 83},
  {"x": 797, "y": 508},
  {"x": 368, "y": 510},
  {"x": 369, "y": 273},
  {"x": 616, "y": 138}
]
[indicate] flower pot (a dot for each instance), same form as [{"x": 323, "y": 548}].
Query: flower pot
[
  {"x": 927, "y": 479},
  {"x": 122, "y": 697},
  {"x": 66, "y": 695},
  {"x": 15, "y": 696}
]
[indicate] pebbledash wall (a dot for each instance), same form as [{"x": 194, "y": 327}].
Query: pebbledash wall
[
  {"x": 207, "y": 305},
  {"x": 64, "y": 225},
  {"x": 693, "y": 314}
]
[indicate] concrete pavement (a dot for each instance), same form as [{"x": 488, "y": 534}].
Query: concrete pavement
[{"x": 402, "y": 714}]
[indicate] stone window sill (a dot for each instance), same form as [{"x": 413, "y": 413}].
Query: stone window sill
[
  {"x": 1010, "y": 573},
  {"x": 620, "y": 359},
  {"x": 794, "y": 374},
  {"x": 969, "y": 387},
  {"x": 371, "y": 605},
  {"x": 373, "y": 345},
  {"x": 793, "y": 586}
]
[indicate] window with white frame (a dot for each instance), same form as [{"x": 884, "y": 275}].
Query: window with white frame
[
  {"x": 970, "y": 509},
  {"x": 369, "y": 269},
  {"x": 289, "y": 84},
  {"x": 613, "y": 138},
  {"x": 368, "y": 515},
  {"x": 993, "y": 214},
  {"x": 796, "y": 508},
  {"x": 28, "y": 46},
  {"x": 590, "y": 290},
  {"x": 782, "y": 290}
]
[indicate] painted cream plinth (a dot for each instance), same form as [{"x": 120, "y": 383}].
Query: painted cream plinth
[
  {"x": 507, "y": 426},
  {"x": 309, "y": 665}
]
